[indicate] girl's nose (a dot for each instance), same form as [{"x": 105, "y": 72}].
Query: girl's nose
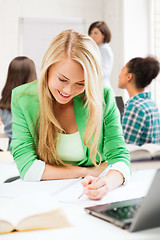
[{"x": 68, "y": 89}]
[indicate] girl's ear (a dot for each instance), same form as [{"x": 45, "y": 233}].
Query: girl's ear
[{"x": 129, "y": 77}]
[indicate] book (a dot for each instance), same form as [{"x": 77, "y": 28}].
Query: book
[
  {"x": 31, "y": 212},
  {"x": 147, "y": 151}
]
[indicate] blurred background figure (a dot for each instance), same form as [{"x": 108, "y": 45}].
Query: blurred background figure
[
  {"x": 21, "y": 70},
  {"x": 140, "y": 118},
  {"x": 101, "y": 34}
]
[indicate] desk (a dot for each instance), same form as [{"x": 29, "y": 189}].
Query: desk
[
  {"x": 84, "y": 226},
  {"x": 142, "y": 165}
]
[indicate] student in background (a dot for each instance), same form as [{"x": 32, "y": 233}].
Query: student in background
[
  {"x": 101, "y": 34},
  {"x": 21, "y": 70},
  {"x": 1, "y": 124},
  {"x": 64, "y": 126},
  {"x": 140, "y": 118}
]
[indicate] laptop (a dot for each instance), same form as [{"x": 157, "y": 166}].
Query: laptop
[
  {"x": 120, "y": 103},
  {"x": 136, "y": 214}
]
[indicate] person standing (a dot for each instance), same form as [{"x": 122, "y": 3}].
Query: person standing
[{"x": 101, "y": 34}]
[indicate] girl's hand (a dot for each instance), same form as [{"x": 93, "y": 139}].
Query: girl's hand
[{"x": 96, "y": 190}]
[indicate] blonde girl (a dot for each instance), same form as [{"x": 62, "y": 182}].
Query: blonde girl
[{"x": 64, "y": 124}]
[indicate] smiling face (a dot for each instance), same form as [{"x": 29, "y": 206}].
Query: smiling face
[
  {"x": 66, "y": 80},
  {"x": 97, "y": 36}
]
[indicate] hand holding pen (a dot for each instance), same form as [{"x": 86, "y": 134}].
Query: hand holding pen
[{"x": 100, "y": 189}]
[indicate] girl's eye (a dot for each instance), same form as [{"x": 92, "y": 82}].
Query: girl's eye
[
  {"x": 62, "y": 80},
  {"x": 80, "y": 84}
]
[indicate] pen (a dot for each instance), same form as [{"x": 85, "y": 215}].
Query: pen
[{"x": 100, "y": 176}]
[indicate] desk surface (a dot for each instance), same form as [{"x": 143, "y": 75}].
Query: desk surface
[{"x": 84, "y": 225}]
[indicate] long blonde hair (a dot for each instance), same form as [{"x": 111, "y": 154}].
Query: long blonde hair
[{"x": 80, "y": 48}]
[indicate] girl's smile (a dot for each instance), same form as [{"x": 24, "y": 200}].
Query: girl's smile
[{"x": 64, "y": 95}]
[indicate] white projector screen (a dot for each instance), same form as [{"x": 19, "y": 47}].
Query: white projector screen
[{"x": 35, "y": 35}]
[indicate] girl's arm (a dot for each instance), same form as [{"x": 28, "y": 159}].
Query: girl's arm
[
  {"x": 56, "y": 172},
  {"x": 25, "y": 110},
  {"x": 114, "y": 152}
]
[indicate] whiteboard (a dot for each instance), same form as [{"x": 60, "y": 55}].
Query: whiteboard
[{"x": 35, "y": 35}]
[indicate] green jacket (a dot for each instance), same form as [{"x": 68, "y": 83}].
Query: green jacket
[{"x": 25, "y": 111}]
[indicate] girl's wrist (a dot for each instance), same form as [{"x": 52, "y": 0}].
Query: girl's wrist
[{"x": 114, "y": 179}]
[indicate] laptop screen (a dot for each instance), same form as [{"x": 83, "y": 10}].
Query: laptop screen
[{"x": 120, "y": 103}]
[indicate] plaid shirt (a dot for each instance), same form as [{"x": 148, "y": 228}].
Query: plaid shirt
[{"x": 141, "y": 120}]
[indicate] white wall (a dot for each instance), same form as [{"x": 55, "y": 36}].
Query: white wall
[
  {"x": 157, "y": 47},
  {"x": 11, "y": 10},
  {"x": 129, "y": 21},
  {"x": 131, "y": 25},
  {"x": 138, "y": 29},
  {"x": 113, "y": 15},
  {"x": 138, "y": 32}
]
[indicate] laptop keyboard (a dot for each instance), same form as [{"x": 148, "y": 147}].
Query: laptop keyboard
[{"x": 123, "y": 212}]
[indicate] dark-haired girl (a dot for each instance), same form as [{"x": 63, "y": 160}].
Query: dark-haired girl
[
  {"x": 140, "y": 118},
  {"x": 21, "y": 70}
]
